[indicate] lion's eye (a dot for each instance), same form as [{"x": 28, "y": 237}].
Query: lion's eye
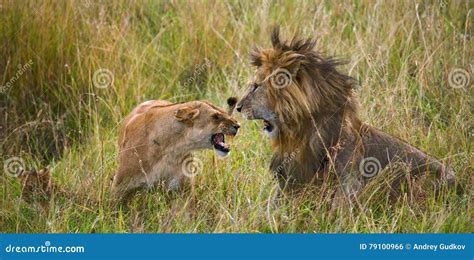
[{"x": 254, "y": 87}]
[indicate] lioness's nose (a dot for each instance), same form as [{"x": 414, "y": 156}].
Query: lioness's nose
[{"x": 235, "y": 129}]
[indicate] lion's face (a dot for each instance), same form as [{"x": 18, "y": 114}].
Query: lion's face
[
  {"x": 205, "y": 127},
  {"x": 255, "y": 105},
  {"x": 293, "y": 88}
]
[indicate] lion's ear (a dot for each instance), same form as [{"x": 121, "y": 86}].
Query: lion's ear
[
  {"x": 294, "y": 68},
  {"x": 275, "y": 37},
  {"x": 293, "y": 62},
  {"x": 186, "y": 114}
]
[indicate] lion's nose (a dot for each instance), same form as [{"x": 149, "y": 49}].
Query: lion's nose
[
  {"x": 239, "y": 108},
  {"x": 237, "y": 126}
]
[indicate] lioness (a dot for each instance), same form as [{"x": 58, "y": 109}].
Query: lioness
[
  {"x": 157, "y": 139},
  {"x": 309, "y": 110}
]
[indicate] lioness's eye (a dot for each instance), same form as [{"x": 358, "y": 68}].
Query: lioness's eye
[{"x": 216, "y": 116}]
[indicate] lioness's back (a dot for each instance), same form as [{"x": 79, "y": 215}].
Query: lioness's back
[{"x": 140, "y": 109}]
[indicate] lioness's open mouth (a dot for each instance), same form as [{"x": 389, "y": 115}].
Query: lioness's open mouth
[{"x": 218, "y": 141}]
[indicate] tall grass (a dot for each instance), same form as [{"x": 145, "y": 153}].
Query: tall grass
[{"x": 401, "y": 52}]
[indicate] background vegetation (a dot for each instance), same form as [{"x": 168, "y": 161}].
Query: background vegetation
[{"x": 401, "y": 52}]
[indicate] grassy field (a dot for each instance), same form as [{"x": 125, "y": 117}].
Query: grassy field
[{"x": 71, "y": 70}]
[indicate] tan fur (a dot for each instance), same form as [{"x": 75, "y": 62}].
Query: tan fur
[
  {"x": 316, "y": 115},
  {"x": 158, "y": 136}
]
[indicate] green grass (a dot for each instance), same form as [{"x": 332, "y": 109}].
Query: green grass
[{"x": 401, "y": 53}]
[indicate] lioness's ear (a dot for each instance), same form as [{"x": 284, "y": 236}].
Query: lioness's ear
[
  {"x": 44, "y": 172},
  {"x": 186, "y": 114},
  {"x": 44, "y": 175},
  {"x": 231, "y": 102}
]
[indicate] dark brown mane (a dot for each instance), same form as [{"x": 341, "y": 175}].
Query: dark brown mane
[
  {"x": 324, "y": 91},
  {"x": 317, "y": 108},
  {"x": 318, "y": 136}
]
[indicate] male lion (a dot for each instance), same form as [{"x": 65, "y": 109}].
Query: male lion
[
  {"x": 157, "y": 139},
  {"x": 310, "y": 111}
]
